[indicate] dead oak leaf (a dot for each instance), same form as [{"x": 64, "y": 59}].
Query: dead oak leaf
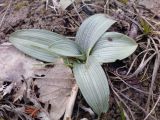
[
  {"x": 14, "y": 64},
  {"x": 55, "y": 88}
]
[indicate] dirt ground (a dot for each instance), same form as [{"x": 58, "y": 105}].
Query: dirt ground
[{"x": 129, "y": 90}]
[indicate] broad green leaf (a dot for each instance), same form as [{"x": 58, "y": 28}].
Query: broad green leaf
[
  {"x": 113, "y": 46},
  {"x": 36, "y": 52},
  {"x": 66, "y": 48},
  {"x": 91, "y": 30},
  {"x": 50, "y": 41},
  {"x": 93, "y": 84}
]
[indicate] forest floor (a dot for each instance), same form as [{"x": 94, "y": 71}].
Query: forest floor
[{"x": 134, "y": 82}]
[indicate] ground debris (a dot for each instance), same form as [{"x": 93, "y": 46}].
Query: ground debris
[
  {"x": 131, "y": 78},
  {"x": 39, "y": 90}
]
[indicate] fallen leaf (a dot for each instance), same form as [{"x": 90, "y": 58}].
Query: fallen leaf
[
  {"x": 20, "y": 92},
  {"x": 14, "y": 64},
  {"x": 55, "y": 88}
]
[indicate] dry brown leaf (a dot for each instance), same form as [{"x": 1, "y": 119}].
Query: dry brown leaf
[
  {"x": 20, "y": 92},
  {"x": 55, "y": 88},
  {"x": 14, "y": 64}
]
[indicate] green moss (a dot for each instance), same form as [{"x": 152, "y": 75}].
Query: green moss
[
  {"x": 20, "y": 5},
  {"x": 147, "y": 29},
  {"x": 123, "y": 1}
]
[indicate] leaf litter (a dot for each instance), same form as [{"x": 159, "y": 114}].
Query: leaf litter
[
  {"x": 131, "y": 89},
  {"x": 34, "y": 84}
]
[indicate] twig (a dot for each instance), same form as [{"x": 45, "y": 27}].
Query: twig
[{"x": 70, "y": 105}]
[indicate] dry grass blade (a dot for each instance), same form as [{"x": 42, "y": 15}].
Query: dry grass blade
[
  {"x": 130, "y": 86},
  {"x": 134, "y": 103},
  {"x": 123, "y": 110},
  {"x": 144, "y": 51},
  {"x": 112, "y": 87},
  {"x": 76, "y": 10},
  {"x": 152, "y": 109},
  {"x": 144, "y": 60},
  {"x": 1, "y": 22},
  {"x": 154, "y": 74},
  {"x": 142, "y": 65},
  {"x": 136, "y": 58}
]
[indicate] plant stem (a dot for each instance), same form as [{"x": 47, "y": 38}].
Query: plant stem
[{"x": 83, "y": 57}]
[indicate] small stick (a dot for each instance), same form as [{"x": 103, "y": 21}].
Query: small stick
[{"x": 71, "y": 102}]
